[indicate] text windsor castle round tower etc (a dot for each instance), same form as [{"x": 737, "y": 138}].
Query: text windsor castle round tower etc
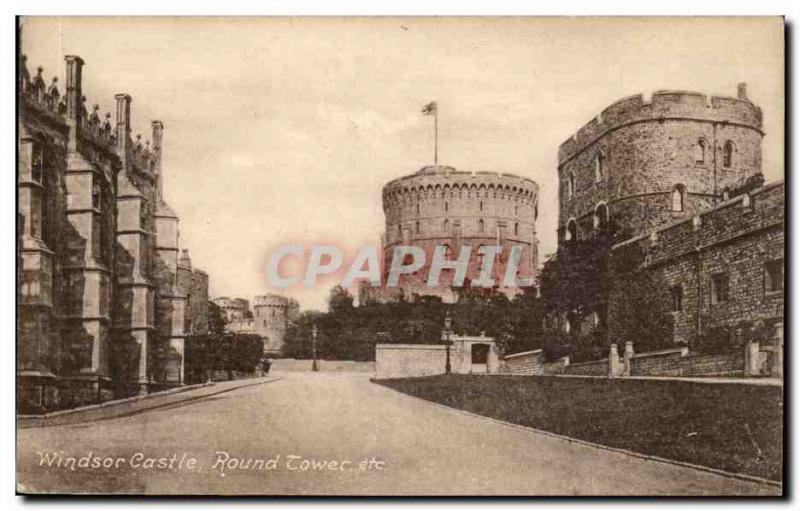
[
  {"x": 646, "y": 162},
  {"x": 441, "y": 206}
]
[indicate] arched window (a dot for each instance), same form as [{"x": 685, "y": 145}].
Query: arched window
[
  {"x": 481, "y": 225},
  {"x": 416, "y": 227},
  {"x": 516, "y": 229},
  {"x": 399, "y": 230},
  {"x": 418, "y": 208},
  {"x": 446, "y": 226},
  {"x": 481, "y": 206},
  {"x": 571, "y": 185},
  {"x": 598, "y": 168},
  {"x": 727, "y": 154},
  {"x": 445, "y": 206},
  {"x": 601, "y": 216},
  {"x": 37, "y": 163},
  {"x": 700, "y": 152},
  {"x": 572, "y": 231},
  {"x": 96, "y": 203},
  {"x": 678, "y": 198}
]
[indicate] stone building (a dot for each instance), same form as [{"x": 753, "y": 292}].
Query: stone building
[
  {"x": 193, "y": 284},
  {"x": 667, "y": 175},
  {"x": 271, "y": 316},
  {"x": 100, "y": 311},
  {"x": 720, "y": 266},
  {"x": 441, "y": 206}
]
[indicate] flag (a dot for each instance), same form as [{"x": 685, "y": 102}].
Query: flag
[{"x": 429, "y": 109}]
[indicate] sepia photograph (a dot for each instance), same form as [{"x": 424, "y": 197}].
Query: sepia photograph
[{"x": 400, "y": 256}]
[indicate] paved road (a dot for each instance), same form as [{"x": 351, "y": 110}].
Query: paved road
[{"x": 335, "y": 434}]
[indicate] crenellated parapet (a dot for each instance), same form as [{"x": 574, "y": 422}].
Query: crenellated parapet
[{"x": 661, "y": 106}]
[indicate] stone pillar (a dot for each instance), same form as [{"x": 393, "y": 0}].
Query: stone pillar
[
  {"x": 614, "y": 366},
  {"x": 123, "y": 136},
  {"x": 158, "y": 135},
  {"x": 74, "y": 98},
  {"x": 751, "y": 359},
  {"x": 628, "y": 357}
]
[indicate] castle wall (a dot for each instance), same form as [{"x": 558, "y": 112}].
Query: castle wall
[{"x": 737, "y": 238}]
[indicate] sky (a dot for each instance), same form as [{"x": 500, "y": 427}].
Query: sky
[{"x": 281, "y": 130}]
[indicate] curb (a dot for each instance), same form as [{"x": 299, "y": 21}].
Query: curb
[
  {"x": 658, "y": 459},
  {"x": 41, "y": 421},
  {"x": 113, "y": 402}
]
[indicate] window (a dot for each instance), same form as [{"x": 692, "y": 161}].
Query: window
[
  {"x": 481, "y": 225},
  {"x": 445, "y": 206},
  {"x": 481, "y": 206},
  {"x": 598, "y": 168},
  {"x": 676, "y": 293},
  {"x": 572, "y": 231},
  {"x": 677, "y": 199},
  {"x": 446, "y": 226},
  {"x": 601, "y": 216},
  {"x": 720, "y": 288},
  {"x": 516, "y": 229},
  {"x": 96, "y": 195},
  {"x": 773, "y": 276},
  {"x": 416, "y": 227},
  {"x": 700, "y": 152},
  {"x": 727, "y": 154},
  {"x": 571, "y": 185},
  {"x": 480, "y": 256},
  {"x": 37, "y": 163},
  {"x": 418, "y": 209}
]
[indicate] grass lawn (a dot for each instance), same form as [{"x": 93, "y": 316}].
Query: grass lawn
[{"x": 727, "y": 426}]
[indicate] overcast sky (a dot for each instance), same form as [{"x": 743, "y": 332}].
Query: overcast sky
[{"x": 284, "y": 130}]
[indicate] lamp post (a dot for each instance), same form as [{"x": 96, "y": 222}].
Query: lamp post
[
  {"x": 447, "y": 331},
  {"x": 314, "y": 366}
]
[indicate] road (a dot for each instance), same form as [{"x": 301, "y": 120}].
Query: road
[{"x": 335, "y": 434}]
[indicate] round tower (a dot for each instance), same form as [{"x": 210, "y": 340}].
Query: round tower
[
  {"x": 271, "y": 316},
  {"x": 643, "y": 162},
  {"x": 441, "y": 206}
]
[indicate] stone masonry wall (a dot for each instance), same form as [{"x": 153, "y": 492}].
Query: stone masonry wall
[
  {"x": 525, "y": 363},
  {"x": 736, "y": 238},
  {"x": 404, "y": 360}
]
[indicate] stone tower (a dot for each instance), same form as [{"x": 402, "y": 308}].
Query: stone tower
[
  {"x": 441, "y": 206},
  {"x": 271, "y": 316},
  {"x": 644, "y": 162}
]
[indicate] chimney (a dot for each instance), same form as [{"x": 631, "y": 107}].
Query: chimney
[
  {"x": 741, "y": 91},
  {"x": 74, "y": 97},
  {"x": 158, "y": 135},
  {"x": 123, "y": 127},
  {"x": 74, "y": 89}
]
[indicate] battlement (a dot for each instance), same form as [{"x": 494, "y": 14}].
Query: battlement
[
  {"x": 70, "y": 109},
  {"x": 272, "y": 300},
  {"x": 664, "y": 105},
  {"x": 427, "y": 180}
]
